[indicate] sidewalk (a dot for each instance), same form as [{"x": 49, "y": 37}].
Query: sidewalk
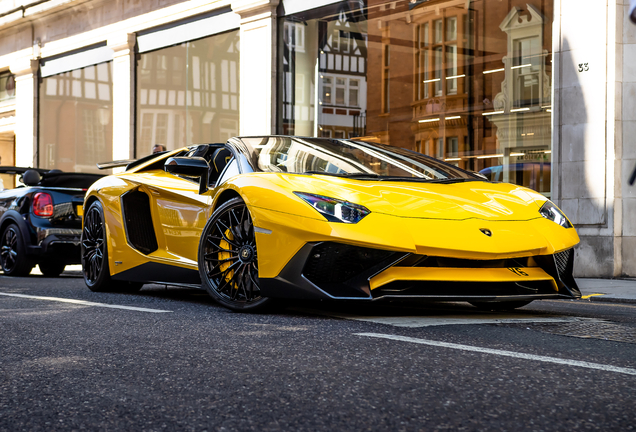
[{"x": 608, "y": 290}]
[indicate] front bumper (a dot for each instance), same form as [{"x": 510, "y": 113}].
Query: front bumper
[{"x": 330, "y": 270}]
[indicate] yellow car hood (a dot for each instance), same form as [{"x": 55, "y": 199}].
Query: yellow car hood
[{"x": 454, "y": 201}]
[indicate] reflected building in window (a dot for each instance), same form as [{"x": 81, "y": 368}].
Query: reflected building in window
[
  {"x": 188, "y": 94},
  {"x": 325, "y": 60},
  {"x": 469, "y": 85},
  {"x": 76, "y": 131}
]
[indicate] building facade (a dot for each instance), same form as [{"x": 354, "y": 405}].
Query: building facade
[{"x": 540, "y": 93}]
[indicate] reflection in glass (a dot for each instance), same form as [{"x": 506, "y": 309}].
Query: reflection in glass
[
  {"x": 470, "y": 85},
  {"x": 346, "y": 157},
  {"x": 189, "y": 93},
  {"x": 75, "y": 123}
]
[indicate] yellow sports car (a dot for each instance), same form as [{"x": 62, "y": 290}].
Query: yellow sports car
[{"x": 259, "y": 218}]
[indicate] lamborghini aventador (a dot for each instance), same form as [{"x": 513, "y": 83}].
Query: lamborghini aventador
[{"x": 260, "y": 218}]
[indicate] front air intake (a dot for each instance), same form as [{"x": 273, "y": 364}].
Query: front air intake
[
  {"x": 336, "y": 262},
  {"x": 138, "y": 222},
  {"x": 343, "y": 271},
  {"x": 561, "y": 260}
]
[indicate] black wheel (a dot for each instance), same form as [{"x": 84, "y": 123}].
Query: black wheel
[
  {"x": 228, "y": 260},
  {"x": 500, "y": 306},
  {"x": 13, "y": 256},
  {"x": 95, "y": 255},
  {"x": 51, "y": 268}
]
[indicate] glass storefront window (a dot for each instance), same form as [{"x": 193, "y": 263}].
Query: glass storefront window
[
  {"x": 189, "y": 93},
  {"x": 468, "y": 85},
  {"x": 75, "y": 122},
  {"x": 7, "y": 86}
]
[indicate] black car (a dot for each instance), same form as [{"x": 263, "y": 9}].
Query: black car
[{"x": 41, "y": 222}]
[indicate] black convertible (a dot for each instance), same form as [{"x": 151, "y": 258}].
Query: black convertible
[{"x": 41, "y": 222}]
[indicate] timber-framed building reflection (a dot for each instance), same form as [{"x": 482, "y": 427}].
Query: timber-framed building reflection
[
  {"x": 466, "y": 82},
  {"x": 188, "y": 93}
]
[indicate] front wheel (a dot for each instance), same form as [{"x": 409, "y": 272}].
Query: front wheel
[
  {"x": 500, "y": 306},
  {"x": 228, "y": 260}
]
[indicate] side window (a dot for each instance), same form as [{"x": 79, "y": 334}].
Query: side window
[{"x": 231, "y": 170}]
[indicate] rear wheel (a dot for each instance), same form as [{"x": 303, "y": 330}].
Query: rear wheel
[
  {"x": 51, "y": 268},
  {"x": 228, "y": 261},
  {"x": 500, "y": 306},
  {"x": 13, "y": 254},
  {"x": 95, "y": 255}
]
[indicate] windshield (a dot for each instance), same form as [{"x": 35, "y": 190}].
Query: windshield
[{"x": 347, "y": 158}]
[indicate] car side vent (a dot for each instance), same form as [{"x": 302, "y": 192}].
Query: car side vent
[
  {"x": 139, "y": 229},
  {"x": 561, "y": 260}
]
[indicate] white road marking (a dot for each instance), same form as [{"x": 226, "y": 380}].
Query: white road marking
[
  {"x": 85, "y": 303},
  {"x": 545, "y": 359},
  {"x": 442, "y": 320}
]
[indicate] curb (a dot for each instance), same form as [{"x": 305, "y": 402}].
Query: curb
[{"x": 604, "y": 299}]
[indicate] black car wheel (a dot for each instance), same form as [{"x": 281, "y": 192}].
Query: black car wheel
[
  {"x": 228, "y": 260},
  {"x": 51, "y": 268},
  {"x": 13, "y": 256},
  {"x": 500, "y": 306},
  {"x": 95, "y": 255}
]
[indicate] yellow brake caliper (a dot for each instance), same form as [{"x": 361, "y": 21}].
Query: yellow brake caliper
[{"x": 225, "y": 255}]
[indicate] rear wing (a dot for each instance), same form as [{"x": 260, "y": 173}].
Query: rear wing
[
  {"x": 114, "y": 164},
  {"x": 128, "y": 163}
]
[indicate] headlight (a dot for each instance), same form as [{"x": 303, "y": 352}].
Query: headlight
[
  {"x": 335, "y": 210},
  {"x": 550, "y": 211}
]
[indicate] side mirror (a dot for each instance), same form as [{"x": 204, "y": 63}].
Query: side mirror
[
  {"x": 191, "y": 167},
  {"x": 31, "y": 177}
]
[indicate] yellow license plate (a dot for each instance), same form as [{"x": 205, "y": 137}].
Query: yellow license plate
[{"x": 80, "y": 210}]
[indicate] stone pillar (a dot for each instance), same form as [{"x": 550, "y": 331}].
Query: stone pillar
[
  {"x": 583, "y": 135},
  {"x": 26, "y": 72},
  {"x": 123, "y": 95},
  {"x": 626, "y": 136},
  {"x": 594, "y": 124},
  {"x": 258, "y": 66}
]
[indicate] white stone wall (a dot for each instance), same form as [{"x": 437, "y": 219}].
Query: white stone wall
[
  {"x": 594, "y": 132},
  {"x": 626, "y": 146}
]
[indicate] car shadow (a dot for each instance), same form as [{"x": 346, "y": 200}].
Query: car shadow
[{"x": 345, "y": 309}]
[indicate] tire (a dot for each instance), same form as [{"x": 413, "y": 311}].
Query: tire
[
  {"x": 51, "y": 268},
  {"x": 500, "y": 306},
  {"x": 95, "y": 255},
  {"x": 13, "y": 252},
  {"x": 228, "y": 259}
]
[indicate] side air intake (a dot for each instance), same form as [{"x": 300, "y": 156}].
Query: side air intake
[{"x": 138, "y": 222}]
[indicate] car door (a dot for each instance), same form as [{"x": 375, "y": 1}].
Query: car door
[{"x": 179, "y": 215}]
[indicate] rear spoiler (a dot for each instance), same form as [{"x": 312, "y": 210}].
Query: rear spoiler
[
  {"x": 130, "y": 163},
  {"x": 114, "y": 164}
]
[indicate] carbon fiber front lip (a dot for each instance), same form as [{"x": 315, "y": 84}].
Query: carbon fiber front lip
[{"x": 485, "y": 299}]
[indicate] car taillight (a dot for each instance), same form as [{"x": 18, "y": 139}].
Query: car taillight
[{"x": 43, "y": 204}]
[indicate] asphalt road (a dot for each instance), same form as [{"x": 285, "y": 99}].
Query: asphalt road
[{"x": 172, "y": 359}]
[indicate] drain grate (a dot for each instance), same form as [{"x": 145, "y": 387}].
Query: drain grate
[{"x": 588, "y": 330}]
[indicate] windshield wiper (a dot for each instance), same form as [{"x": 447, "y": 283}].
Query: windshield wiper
[
  {"x": 345, "y": 175},
  {"x": 456, "y": 180}
]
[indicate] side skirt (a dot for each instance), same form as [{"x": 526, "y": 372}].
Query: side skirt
[{"x": 160, "y": 273}]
